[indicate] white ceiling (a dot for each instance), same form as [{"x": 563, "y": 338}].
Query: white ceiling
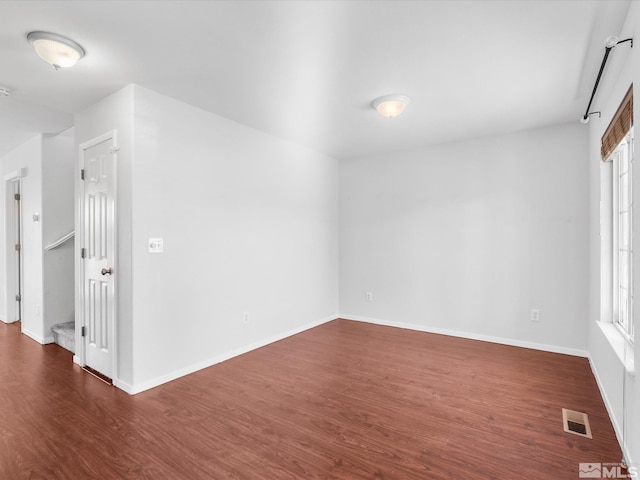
[{"x": 307, "y": 71}]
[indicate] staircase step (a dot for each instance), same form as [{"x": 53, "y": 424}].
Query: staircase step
[{"x": 64, "y": 334}]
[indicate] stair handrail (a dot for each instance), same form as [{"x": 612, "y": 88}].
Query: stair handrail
[{"x": 61, "y": 241}]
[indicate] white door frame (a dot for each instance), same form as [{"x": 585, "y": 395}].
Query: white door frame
[
  {"x": 10, "y": 221},
  {"x": 80, "y": 355}
]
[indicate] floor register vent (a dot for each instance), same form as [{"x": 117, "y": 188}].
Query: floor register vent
[{"x": 576, "y": 423}]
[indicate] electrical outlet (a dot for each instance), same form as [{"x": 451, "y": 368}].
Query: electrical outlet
[
  {"x": 245, "y": 317},
  {"x": 535, "y": 315},
  {"x": 369, "y": 296}
]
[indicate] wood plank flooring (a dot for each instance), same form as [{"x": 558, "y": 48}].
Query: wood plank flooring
[{"x": 345, "y": 400}]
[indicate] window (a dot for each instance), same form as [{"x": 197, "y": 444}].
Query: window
[{"x": 622, "y": 160}]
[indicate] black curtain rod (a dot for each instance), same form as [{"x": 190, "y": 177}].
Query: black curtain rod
[{"x": 607, "y": 50}]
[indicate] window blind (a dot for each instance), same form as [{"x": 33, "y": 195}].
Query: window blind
[{"x": 619, "y": 126}]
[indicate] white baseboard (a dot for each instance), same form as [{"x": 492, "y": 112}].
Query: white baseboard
[
  {"x": 141, "y": 387},
  {"x": 473, "y": 336},
  {"x": 37, "y": 338},
  {"x": 128, "y": 388}
]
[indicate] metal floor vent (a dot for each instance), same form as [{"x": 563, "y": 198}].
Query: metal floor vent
[{"x": 576, "y": 423}]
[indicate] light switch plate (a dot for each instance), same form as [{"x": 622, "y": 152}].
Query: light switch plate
[{"x": 156, "y": 245}]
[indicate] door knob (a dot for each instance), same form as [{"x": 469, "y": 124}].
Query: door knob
[{"x": 107, "y": 271}]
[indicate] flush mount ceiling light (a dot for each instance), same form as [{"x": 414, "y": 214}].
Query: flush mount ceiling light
[
  {"x": 391, "y": 106},
  {"x": 55, "y": 49}
]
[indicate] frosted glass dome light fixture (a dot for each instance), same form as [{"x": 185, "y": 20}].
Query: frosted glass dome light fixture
[
  {"x": 391, "y": 106},
  {"x": 56, "y": 50}
]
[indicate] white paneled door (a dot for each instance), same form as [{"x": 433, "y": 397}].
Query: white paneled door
[{"x": 98, "y": 160}]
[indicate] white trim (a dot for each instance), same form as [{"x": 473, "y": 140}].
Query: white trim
[
  {"x": 11, "y": 268},
  {"x": 37, "y": 338},
  {"x": 141, "y": 387},
  {"x": 110, "y": 135},
  {"x": 80, "y": 356},
  {"x": 16, "y": 174},
  {"x": 608, "y": 405},
  {"x": 124, "y": 386},
  {"x": 472, "y": 336}
]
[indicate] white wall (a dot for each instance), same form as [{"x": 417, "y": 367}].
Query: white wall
[
  {"x": 466, "y": 238},
  {"x": 57, "y": 218},
  {"x": 620, "y": 390},
  {"x": 249, "y": 224},
  {"x": 28, "y": 157},
  {"x": 46, "y": 166}
]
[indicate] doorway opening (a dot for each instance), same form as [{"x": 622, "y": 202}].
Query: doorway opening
[{"x": 14, "y": 252}]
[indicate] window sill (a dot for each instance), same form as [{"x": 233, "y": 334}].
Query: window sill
[{"x": 620, "y": 345}]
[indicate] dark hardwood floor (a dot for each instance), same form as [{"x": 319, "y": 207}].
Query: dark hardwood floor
[{"x": 345, "y": 400}]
